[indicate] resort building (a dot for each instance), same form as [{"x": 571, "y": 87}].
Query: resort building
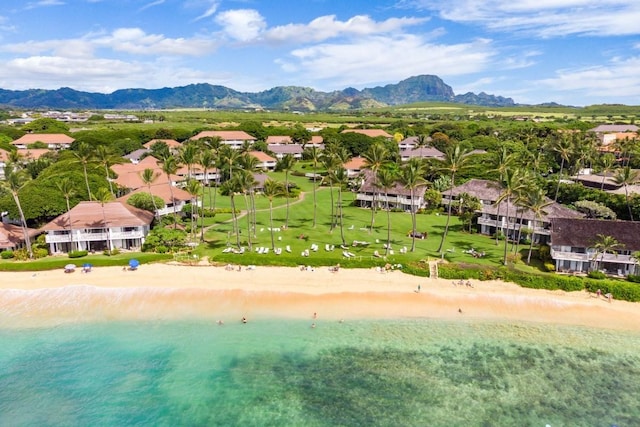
[
  {"x": 265, "y": 161},
  {"x": 233, "y": 138},
  {"x": 398, "y": 196},
  {"x": 129, "y": 175},
  {"x": 174, "y": 198},
  {"x": 573, "y": 240},
  {"x": 355, "y": 166},
  {"x": 173, "y": 145},
  {"x": 280, "y": 151},
  {"x": 12, "y": 236},
  {"x": 493, "y": 216},
  {"x": 372, "y": 133},
  {"x": 92, "y": 226},
  {"x": 54, "y": 141},
  {"x": 421, "y": 153}
]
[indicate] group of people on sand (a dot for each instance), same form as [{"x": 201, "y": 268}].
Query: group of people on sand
[{"x": 462, "y": 283}]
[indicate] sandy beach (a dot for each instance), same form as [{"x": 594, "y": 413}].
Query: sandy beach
[{"x": 166, "y": 291}]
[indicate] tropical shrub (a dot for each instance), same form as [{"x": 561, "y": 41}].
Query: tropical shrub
[
  {"x": 6, "y": 254},
  {"x": 77, "y": 254}
]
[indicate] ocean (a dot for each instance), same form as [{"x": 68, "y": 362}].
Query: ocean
[{"x": 283, "y": 372}]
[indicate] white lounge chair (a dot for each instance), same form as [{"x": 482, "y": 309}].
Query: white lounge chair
[{"x": 288, "y": 248}]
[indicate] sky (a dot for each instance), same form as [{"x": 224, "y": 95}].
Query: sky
[{"x": 573, "y": 52}]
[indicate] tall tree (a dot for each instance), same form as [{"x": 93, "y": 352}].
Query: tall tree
[
  {"x": 169, "y": 166},
  {"x": 148, "y": 176},
  {"x": 194, "y": 188},
  {"x": 84, "y": 155},
  {"x": 502, "y": 161},
  {"x": 341, "y": 179},
  {"x": 285, "y": 164},
  {"x": 411, "y": 175},
  {"x": 315, "y": 156},
  {"x": 103, "y": 196},
  {"x": 230, "y": 187},
  {"x": 14, "y": 180},
  {"x": 374, "y": 159},
  {"x": 106, "y": 159},
  {"x": 604, "y": 244},
  {"x": 387, "y": 179},
  {"x": 227, "y": 158},
  {"x": 512, "y": 184},
  {"x": 207, "y": 160},
  {"x": 626, "y": 177},
  {"x": 563, "y": 147},
  {"x": 67, "y": 190},
  {"x": 607, "y": 164},
  {"x": 536, "y": 202},
  {"x": 188, "y": 155},
  {"x": 272, "y": 189},
  {"x": 455, "y": 161}
]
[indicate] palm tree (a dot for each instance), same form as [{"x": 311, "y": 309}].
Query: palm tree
[
  {"x": 341, "y": 179},
  {"x": 250, "y": 163},
  {"x": 512, "y": 184},
  {"x": 246, "y": 182},
  {"x": 627, "y": 176},
  {"x": 502, "y": 162},
  {"x": 271, "y": 190},
  {"x": 536, "y": 202},
  {"x": 169, "y": 166},
  {"x": 148, "y": 176},
  {"x": 67, "y": 189},
  {"x": 455, "y": 161},
  {"x": 227, "y": 158},
  {"x": 315, "y": 156},
  {"x": 285, "y": 164},
  {"x": 207, "y": 160},
  {"x": 14, "y": 180},
  {"x": 387, "y": 179},
  {"x": 562, "y": 146},
  {"x": 230, "y": 187},
  {"x": 375, "y": 158},
  {"x": 84, "y": 155},
  {"x": 605, "y": 244},
  {"x": 607, "y": 164},
  {"x": 106, "y": 159},
  {"x": 188, "y": 155},
  {"x": 193, "y": 187},
  {"x": 331, "y": 163},
  {"x": 411, "y": 176},
  {"x": 103, "y": 196}
]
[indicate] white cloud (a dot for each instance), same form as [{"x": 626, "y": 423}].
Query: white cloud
[
  {"x": 152, "y": 4},
  {"x": 619, "y": 78},
  {"x": 545, "y": 18},
  {"x": 128, "y": 40},
  {"x": 211, "y": 9},
  {"x": 327, "y": 27},
  {"x": 378, "y": 59},
  {"x": 244, "y": 25}
]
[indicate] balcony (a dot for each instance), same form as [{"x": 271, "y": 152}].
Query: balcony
[
  {"x": 94, "y": 237},
  {"x": 511, "y": 226},
  {"x": 589, "y": 257}
]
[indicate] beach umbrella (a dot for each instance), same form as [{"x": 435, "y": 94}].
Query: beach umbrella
[
  {"x": 70, "y": 267},
  {"x": 134, "y": 263},
  {"x": 87, "y": 267}
]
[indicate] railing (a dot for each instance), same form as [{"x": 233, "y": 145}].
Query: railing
[
  {"x": 588, "y": 257},
  {"x": 512, "y": 226},
  {"x": 92, "y": 237}
]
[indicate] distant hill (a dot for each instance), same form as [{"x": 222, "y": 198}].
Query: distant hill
[{"x": 414, "y": 89}]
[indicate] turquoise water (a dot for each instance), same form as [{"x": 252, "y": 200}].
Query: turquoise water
[{"x": 284, "y": 373}]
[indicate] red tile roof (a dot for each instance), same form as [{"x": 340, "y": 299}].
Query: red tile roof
[
  {"x": 90, "y": 215},
  {"x": 47, "y": 138},
  {"x": 263, "y": 157},
  {"x": 225, "y": 135},
  {"x": 369, "y": 132},
  {"x": 129, "y": 173},
  {"x": 171, "y": 143},
  {"x": 357, "y": 163},
  {"x": 11, "y": 235},
  {"x": 163, "y": 191}
]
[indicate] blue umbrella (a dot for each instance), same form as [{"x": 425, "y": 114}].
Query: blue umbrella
[{"x": 134, "y": 263}]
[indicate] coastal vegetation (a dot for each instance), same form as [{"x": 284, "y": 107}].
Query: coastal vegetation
[{"x": 531, "y": 154}]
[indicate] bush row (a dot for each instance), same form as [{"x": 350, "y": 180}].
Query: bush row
[{"x": 622, "y": 290}]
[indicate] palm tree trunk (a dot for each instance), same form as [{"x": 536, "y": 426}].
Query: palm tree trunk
[
  {"x": 235, "y": 219},
  {"x": 413, "y": 221},
  {"x": 286, "y": 184},
  {"x": 246, "y": 203},
  {"x": 106, "y": 170},
  {"x": 555, "y": 199},
  {"x": 386, "y": 194},
  {"x": 626, "y": 195},
  {"x": 340, "y": 207},
  {"x": 23, "y": 224},
  {"x": 333, "y": 215},
  {"x": 533, "y": 234},
  {"x": 173, "y": 201},
  {"x": 506, "y": 236},
  {"x": 373, "y": 207},
  {"x": 86, "y": 180},
  {"x": 315, "y": 204},
  {"x": 497, "y": 221},
  {"x": 446, "y": 226},
  {"x": 273, "y": 243}
]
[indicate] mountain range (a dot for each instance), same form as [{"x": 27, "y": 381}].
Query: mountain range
[{"x": 295, "y": 98}]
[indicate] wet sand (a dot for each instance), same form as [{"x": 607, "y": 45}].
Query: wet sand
[{"x": 166, "y": 291}]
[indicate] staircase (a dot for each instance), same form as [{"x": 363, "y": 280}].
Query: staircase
[{"x": 433, "y": 269}]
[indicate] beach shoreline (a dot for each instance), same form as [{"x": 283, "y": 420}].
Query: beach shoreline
[{"x": 173, "y": 292}]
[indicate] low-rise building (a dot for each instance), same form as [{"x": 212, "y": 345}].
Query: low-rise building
[
  {"x": 233, "y": 138},
  {"x": 54, "y": 141},
  {"x": 94, "y": 226},
  {"x": 12, "y": 236}
]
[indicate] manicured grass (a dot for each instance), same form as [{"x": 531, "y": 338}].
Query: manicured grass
[{"x": 58, "y": 262}]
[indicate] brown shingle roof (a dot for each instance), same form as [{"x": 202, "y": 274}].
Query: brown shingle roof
[
  {"x": 555, "y": 210},
  {"x": 90, "y": 215},
  {"x": 480, "y": 188},
  {"x": 397, "y": 189},
  {"x": 581, "y": 233},
  {"x": 423, "y": 153}
]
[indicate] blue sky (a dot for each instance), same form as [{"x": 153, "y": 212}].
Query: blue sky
[{"x": 575, "y": 52}]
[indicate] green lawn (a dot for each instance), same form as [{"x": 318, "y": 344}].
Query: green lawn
[{"x": 356, "y": 228}]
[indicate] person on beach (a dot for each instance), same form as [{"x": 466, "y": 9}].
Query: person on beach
[
  {"x": 419, "y": 288},
  {"x": 313, "y": 325},
  {"x": 220, "y": 322},
  {"x": 315, "y": 315},
  {"x": 598, "y": 293},
  {"x": 244, "y": 320},
  {"x": 609, "y": 297}
]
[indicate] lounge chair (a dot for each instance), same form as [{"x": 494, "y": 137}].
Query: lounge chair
[{"x": 288, "y": 248}]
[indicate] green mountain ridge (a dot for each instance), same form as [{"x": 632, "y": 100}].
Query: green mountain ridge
[{"x": 203, "y": 95}]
